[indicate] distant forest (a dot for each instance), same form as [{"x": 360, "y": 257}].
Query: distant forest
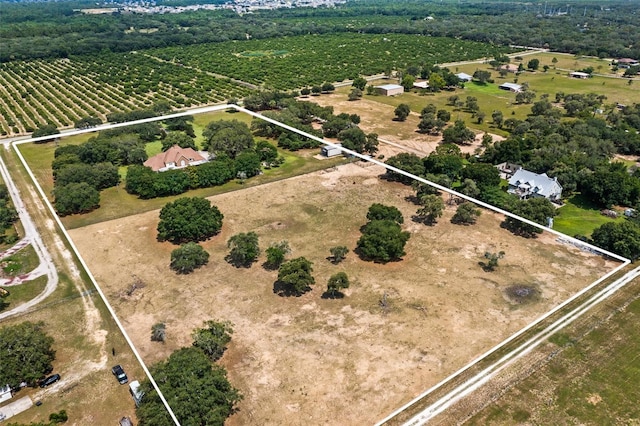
[{"x": 58, "y": 29}]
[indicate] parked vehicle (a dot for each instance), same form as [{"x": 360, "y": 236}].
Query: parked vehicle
[
  {"x": 50, "y": 380},
  {"x": 136, "y": 392},
  {"x": 118, "y": 371}
]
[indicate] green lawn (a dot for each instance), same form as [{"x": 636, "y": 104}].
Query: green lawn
[
  {"x": 594, "y": 381},
  {"x": 116, "y": 202},
  {"x": 22, "y": 262},
  {"x": 22, "y": 293},
  {"x": 578, "y": 217}
]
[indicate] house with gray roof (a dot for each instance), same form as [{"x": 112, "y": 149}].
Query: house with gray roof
[{"x": 526, "y": 184}]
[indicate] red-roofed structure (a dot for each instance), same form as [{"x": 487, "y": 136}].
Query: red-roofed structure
[{"x": 175, "y": 158}]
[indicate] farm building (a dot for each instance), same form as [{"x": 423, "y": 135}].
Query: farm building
[
  {"x": 421, "y": 85},
  {"x": 627, "y": 63},
  {"x": 390, "y": 89},
  {"x": 5, "y": 393},
  {"x": 578, "y": 74},
  {"x": 330, "y": 151},
  {"x": 511, "y": 86},
  {"x": 464, "y": 76},
  {"x": 175, "y": 158},
  {"x": 526, "y": 184}
]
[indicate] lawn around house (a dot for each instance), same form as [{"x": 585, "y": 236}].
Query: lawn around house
[
  {"x": 115, "y": 202},
  {"x": 579, "y": 217}
]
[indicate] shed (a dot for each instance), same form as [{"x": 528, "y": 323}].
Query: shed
[
  {"x": 464, "y": 76},
  {"x": 390, "y": 89},
  {"x": 421, "y": 84},
  {"x": 126, "y": 421},
  {"x": 511, "y": 86},
  {"x": 5, "y": 393},
  {"x": 578, "y": 74},
  {"x": 331, "y": 151}
]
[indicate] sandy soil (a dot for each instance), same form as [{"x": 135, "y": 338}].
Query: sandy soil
[
  {"x": 310, "y": 360},
  {"x": 377, "y": 117}
]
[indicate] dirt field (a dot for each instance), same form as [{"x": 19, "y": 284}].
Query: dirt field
[
  {"x": 310, "y": 360},
  {"x": 377, "y": 117}
]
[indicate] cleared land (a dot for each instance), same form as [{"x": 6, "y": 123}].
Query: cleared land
[{"x": 311, "y": 360}]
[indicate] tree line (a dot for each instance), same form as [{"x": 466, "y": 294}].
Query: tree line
[{"x": 59, "y": 30}]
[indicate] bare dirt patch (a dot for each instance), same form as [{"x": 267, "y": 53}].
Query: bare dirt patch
[{"x": 312, "y": 360}]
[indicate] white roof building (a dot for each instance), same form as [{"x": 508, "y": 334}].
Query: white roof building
[
  {"x": 511, "y": 86},
  {"x": 526, "y": 184},
  {"x": 390, "y": 89},
  {"x": 464, "y": 76}
]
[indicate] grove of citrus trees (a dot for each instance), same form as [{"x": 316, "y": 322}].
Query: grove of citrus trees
[{"x": 295, "y": 62}]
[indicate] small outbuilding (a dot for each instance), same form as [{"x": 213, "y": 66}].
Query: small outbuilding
[
  {"x": 421, "y": 84},
  {"x": 625, "y": 63},
  {"x": 464, "y": 77},
  {"x": 578, "y": 74},
  {"x": 330, "y": 151},
  {"x": 390, "y": 89},
  {"x": 5, "y": 393},
  {"x": 513, "y": 87}
]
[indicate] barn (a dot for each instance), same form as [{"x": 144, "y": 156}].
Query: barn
[{"x": 390, "y": 89}]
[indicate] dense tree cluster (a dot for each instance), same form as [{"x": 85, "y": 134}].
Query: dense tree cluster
[
  {"x": 92, "y": 167},
  {"x": 382, "y": 240},
  {"x": 59, "y": 30},
  {"x": 189, "y": 219},
  {"x": 8, "y": 214},
  {"x": 26, "y": 353},
  {"x": 200, "y": 392}
]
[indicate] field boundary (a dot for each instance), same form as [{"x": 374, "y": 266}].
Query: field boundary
[{"x": 15, "y": 145}]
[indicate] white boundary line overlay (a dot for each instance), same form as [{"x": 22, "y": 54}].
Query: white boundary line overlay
[{"x": 549, "y": 330}]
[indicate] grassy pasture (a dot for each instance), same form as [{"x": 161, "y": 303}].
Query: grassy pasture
[
  {"x": 25, "y": 260},
  {"x": 115, "y": 202},
  {"x": 617, "y": 90},
  {"x": 593, "y": 381},
  {"x": 22, "y": 293},
  {"x": 345, "y": 358}
]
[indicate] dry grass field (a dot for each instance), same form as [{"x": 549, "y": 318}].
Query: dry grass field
[{"x": 312, "y": 361}]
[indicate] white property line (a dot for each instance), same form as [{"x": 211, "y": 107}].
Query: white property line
[
  {"x": 95, "y": 283},
  {"x": 488, "y": 373},
  {"x": 344, "y": 150}
]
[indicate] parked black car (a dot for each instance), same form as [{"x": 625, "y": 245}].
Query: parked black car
[
  {"x": 118, "y": 371},
  {"x": 50, "y": 380}
]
